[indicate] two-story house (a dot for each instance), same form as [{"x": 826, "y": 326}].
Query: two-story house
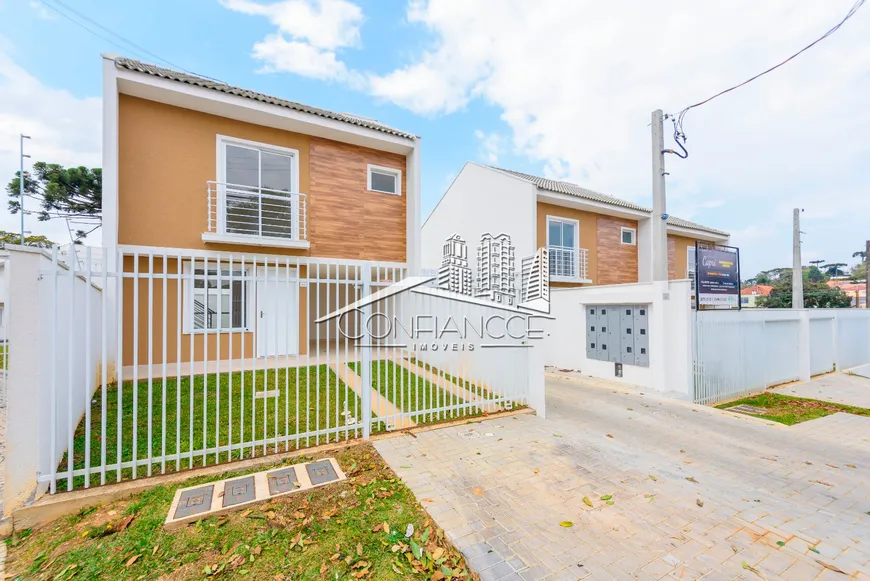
[
  {"x": 232, "y": 209},
  {"x": 592, "y": 238}
]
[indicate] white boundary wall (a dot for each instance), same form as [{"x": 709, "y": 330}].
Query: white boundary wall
[
  {"x": 74, "y": 360},
  {"x": 741, "y": 352},
  {"x": 670, "y": 368}
]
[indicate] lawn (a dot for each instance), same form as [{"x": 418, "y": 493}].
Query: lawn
[
  {"x": 793, "y": 410},
  {"x": 198, "y": 419},
  {"x": 353, "y": 529},
  {"x": 413, "y": 394},
  {"x": 464, "y": 383}
]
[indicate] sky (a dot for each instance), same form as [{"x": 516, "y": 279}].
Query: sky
[{"x": 561, "y": 88}]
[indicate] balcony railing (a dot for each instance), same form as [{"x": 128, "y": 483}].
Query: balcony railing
[
  {"x": 242, "y": 211},
  {"x": 567, "y": 263}
]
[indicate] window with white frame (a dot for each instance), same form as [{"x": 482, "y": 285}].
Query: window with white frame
[
  {"x": 260, "y": 187},
  {"x": 216, "y": 301},
  {"x": 562, "y": 243},
  {"x": 629, "y": 236},
  {"x": 384, "y": 180}
]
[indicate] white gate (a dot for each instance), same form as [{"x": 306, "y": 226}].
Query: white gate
[{"x": 164, "y": 362}]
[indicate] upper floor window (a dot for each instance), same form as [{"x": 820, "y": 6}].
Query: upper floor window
[
  {"x": 629, "y": 236},
  {"x": 259, "y": 187},
  {"x": 384, "y": 179},
  {"x": 563, "y": 242}
]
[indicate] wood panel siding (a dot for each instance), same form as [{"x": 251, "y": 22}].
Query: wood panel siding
[
  {"x": 346, "y": 220},
  {"x": 677, "y": 246},
  {"x": 617, "y": 262},
  {"x": 588, "y": 222},
  {"x": 167, "y": 155}
]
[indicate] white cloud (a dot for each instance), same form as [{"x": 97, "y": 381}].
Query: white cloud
[
  {"x": 308, "y": 34},
  {"x": 575, "y": 82},
  {"x": 490, "y": 146},
  {"x": 63, "y": 128}
]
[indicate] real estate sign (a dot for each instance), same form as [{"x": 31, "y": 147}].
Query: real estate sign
[{"x": 718, "y": 276}]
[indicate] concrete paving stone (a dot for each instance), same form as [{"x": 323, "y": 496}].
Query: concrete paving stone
[
  {"x": 497, "y": 572},
  {"x": 751, "y": 502},
  {"x": 484, "y": 561},
  {"x": 535, "y": 573}
]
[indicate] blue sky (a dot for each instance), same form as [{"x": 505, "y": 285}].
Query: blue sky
[{"x": 562, "y": 89}]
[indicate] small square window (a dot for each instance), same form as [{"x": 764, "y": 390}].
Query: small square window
[
  {"x": 628, "y": 349},
  {"x": 385, "y": 180},
  {"x": 643, "y": 331},
  {"x": 628, "y": 331},
  {"x": 592, "y": 328},
  {"x": 593, "y": 346},
  {"x": 604, "y": 347},
  {"x": 603, "y": 329},
  {"x": 642, "y": 351},
  {"x": 628, "y": 236}
]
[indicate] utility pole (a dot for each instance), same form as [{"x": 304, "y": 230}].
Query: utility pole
[
  {"x": 797, "y": 276},
  {"x": 659, "y": 216},
  {"x": 21, "y": 185}
]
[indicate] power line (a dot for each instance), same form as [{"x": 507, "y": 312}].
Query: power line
[
  {"x": 680, "y": 136},
  {"x": 136, "y": 49},
  {"x": 113, "y": 33}
]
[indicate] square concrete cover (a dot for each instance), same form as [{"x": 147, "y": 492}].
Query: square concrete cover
[
  {"x": 194, "y": 501},
  {"x": 283, "y": 480},
  {"x": 320, "y": 472},
  {"x": 239, "y": 491}
]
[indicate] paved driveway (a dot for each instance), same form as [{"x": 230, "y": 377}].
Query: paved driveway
[
  {"x": 841, "y": 388},
  {"x": 695, "y": 492}
]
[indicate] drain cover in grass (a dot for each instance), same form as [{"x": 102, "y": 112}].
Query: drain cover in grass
[
  {"x": 198, "y": 502},
  {"x": 747, "y": 409}
]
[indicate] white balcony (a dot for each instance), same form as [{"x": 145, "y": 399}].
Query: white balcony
[
  {"x": 256, "y": 216},
  {"x": 568, "y": 264}
]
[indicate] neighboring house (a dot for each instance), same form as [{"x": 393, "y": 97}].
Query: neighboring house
[
  {"x": 857, "y": 291},
  {"x": 749, "y": 294},
  {"x": 591, "y": 238},
  {"x": 195, "y": 169}
]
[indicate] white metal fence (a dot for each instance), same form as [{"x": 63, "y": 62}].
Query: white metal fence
[
  {"x": 740, "y": 352},
  {"x": 166, "y": 362}
]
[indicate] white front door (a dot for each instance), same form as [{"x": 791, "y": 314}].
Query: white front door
[{"x": 277, "y": 312}]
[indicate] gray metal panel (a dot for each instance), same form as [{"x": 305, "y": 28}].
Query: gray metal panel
[
  {"x": 283, "y": 480},
  {"x": 592, "y": 332},
  {"x": 239, "y": 491},
  {"x": 626, "y": 334},
  {"x": 320, "y": 472},
  {"x": 603, "y": 330},
  {"x": 641, "y": 335},
  {"x": 194, "y": 501},
  {"x": 613, "y": 333}
]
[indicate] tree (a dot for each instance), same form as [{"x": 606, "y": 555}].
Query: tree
[
  {"x": 816, "y": 295},
  {"x": 835, "y": 269},
  {"x": 15, "y": 238},
  {"x": 862, "y": 254},
  {"x": 74, "y": 193},
  {"x": 813, "y": 274},
  {"x": 859, "y": 272},
  {"x": 817, "y": 262}
]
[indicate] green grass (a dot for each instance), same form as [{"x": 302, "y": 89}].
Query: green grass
[
  {"x": 340, "y": 526},
  {"x": 3, "y": 357},
  {"x": 793, "y": 410},
  {"x": 464, "y": 383},
  {"x": 413, "y": 394},
  {"x": 285, "y": 415}
]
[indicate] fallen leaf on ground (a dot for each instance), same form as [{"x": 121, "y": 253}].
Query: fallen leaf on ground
[
  {"x": 831, "y": 567},
  {"x": 477, "y": 491},
  {"x": 132, "y": 560},
  {"x": 699, "y": 502},
  {"x": 609, "y": 436},
  {"x": 154, "y": 552},
  {"x": 607, "y": 497},
  {"x": 850, "y": 466},
  {"x": 653, "y": 478},
  {"x": 586, "y": 501},
  {"x": 537, "y": 470},
  {"x": 749, "y": 567},
  {"x": 692, "y": 479},
  {"x": 566, "y": 524}
]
